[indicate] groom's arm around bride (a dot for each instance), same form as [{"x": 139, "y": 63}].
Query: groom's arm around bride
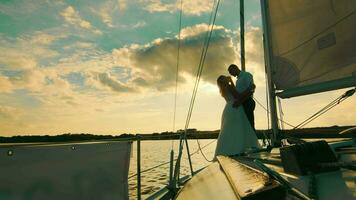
[
  {"x": 244, "y": 88},
  {"x": 244, "y": 96}
]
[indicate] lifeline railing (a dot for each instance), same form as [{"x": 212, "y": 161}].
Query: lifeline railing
[{"x": 138, "y": 139}]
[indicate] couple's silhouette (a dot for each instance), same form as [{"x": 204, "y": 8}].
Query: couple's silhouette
[{"x": 237, "y": 132}]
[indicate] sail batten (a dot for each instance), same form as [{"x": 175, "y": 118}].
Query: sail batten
[{"x": 313, "y": 45}]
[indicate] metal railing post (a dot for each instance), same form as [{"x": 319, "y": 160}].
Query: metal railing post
[
  {"x": 138, "y": 141},
  {"x": 171, "y": 182},
  {"x": 188, "y": 154}
]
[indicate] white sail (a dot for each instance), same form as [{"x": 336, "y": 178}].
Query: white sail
[
  {"x": 65, "y": 171},
  {"x": 313, "y": 42}
]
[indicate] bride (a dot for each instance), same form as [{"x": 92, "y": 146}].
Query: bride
[{"x": 236, "y": 134}]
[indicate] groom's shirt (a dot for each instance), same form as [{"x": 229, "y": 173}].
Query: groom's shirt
[{"x": 244, "y": 81}]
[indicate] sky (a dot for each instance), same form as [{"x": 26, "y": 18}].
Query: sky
[{"x": 109, "y": 67}]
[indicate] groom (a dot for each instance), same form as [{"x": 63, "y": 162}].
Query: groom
[{"x": 245, "y": 88}]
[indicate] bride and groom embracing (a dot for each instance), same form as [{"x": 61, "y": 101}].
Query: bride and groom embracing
[{"x": 237, "y": 132}]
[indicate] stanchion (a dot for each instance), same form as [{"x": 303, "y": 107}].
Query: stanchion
[{"x": 138, "y": 137}]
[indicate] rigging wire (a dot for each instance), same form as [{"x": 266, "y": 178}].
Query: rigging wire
[
  {"x": 281, "y": 114},
  {"x": 177, "y": 69},
  {"x": 201, "y": 62},
  {"x": 314, "y": 116},
  {"x": 267, "y": 110},
  {"x": 183, "y": 137},
  {"x": 200, "y": 70},
  {"x": 198, "y": 76},
  {"x": 331, "y": 105}
]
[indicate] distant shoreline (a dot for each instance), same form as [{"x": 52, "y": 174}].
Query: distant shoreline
[{"x": 318, "y": 132}]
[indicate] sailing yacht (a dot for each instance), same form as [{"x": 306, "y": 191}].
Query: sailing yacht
[{"x": 309, "y": 48}]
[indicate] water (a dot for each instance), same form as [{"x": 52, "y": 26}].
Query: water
[{"x": 156, "y": 152}]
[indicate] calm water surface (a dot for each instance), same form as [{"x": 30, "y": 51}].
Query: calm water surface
[{"x": 157, "y": 152}]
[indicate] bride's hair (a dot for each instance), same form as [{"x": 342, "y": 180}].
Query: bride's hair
[{"x": 222, "y": 84}]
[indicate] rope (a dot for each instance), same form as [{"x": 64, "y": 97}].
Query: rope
[
  {"x": 202, "y": 153},
  {"x": 159, "y": 165}
]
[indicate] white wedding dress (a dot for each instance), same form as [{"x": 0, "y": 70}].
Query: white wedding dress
[{"x": 236, "y": 134}]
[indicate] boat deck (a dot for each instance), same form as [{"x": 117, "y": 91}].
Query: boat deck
[{"x": 223, "y": 178}]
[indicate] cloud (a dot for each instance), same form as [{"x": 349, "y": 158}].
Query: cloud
[
  {"x": 16, "y": 8},
  {"x": 19, "y": 61},
  {"x": 153, "y": 65},
  {"x": 107, "y": 9},
  {"x": 139, "y": 24},
  {"x": 5, "y": 85},
  {"x": 196, "y": 7},
  {"x": 105, "y": 12},
  {"x": 122, "y": 5},
  {"x": 23, "y": 52},
  {"x": 254, "y": 55},
  {"x": 158, "y": 6},
  {"x": 7, "y": 112},
  {"x": 149, "y": 66},
  {"x": 80, "y": 45},
  {"x": 199, "y": 29},
  {"x": 132, "y": 73},
  {"x": 37, "y": 80},
  {"x": 32, "y": 80},
  {"x": 14, "y": 59},
  {"x": 107, "y": 19},
  {"x": 105, "y": 80},
  {"x": 41, "y": 38},
  {"x": 72, "y": 16}
]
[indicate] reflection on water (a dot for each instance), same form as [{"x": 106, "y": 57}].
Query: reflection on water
[{"x": 157, "y": 152}]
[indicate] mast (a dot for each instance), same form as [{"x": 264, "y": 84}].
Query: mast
[
  {"x": 242, "y": 34},
  {"x": 269, "y": 69}
]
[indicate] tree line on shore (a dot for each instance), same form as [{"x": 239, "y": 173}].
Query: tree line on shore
[
  {"x": 318, "y": 132},
  {"x": 72, "y": 137}
]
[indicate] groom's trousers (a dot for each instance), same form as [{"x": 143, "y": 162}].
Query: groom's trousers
[{"x": 249, "y": 107}]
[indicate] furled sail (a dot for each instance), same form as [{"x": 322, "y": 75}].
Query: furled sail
[
  {"x": 313, "y": 45},
  {"x": 65, "y": 171}
]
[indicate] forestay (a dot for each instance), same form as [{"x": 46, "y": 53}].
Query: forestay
[
  {"x": 313, "y": 45},
  {"x": 65, "y": 171}
]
